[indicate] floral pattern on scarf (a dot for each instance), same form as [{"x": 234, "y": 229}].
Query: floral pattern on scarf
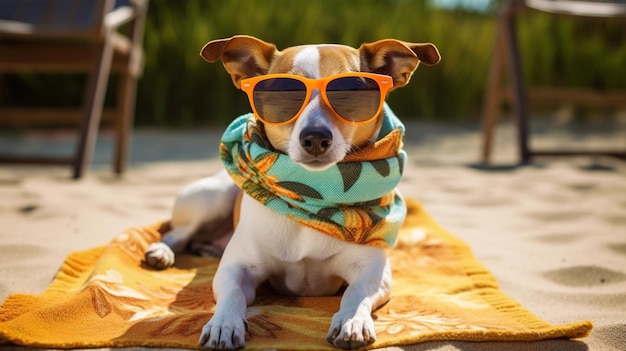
[{"x": 355, "y": 200}]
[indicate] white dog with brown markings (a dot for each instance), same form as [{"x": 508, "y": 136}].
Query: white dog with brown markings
[{"x": 312, "y": 106}]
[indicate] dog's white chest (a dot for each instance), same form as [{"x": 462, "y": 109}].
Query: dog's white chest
[
  {"x": 297, "y": 258},
  {"x": 305, "y": 278}
]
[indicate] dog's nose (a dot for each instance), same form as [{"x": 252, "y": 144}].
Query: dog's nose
[{"x": 316, "y": 141}]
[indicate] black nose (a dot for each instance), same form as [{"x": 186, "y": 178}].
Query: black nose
[{"x": 316, "y": 141}]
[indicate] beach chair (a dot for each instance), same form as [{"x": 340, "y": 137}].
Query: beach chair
[
  {"x": 92, "y": 37},
  {"x": 507, "y": 56}
]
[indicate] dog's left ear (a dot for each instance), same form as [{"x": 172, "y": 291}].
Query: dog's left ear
[
  {"x": 397, "y": 59},
  {"x": 243, "y": 56}
]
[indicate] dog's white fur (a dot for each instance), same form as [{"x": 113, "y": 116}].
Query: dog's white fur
[{"x": 267, "y": 246}]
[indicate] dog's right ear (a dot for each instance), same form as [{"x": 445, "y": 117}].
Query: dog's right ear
[
  {"x": 243, "y": 56},
  {"x": 397, "y": 59}
]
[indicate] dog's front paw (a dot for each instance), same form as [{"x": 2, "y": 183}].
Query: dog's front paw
[
  {"x": 351, "y": 332},
  {"x": 159, "y": 256},
  {"x": 224, "y": 333}
]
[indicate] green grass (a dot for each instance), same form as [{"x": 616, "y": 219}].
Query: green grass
[{"x": 180, "y": 89}]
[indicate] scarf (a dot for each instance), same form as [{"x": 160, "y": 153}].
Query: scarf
[{"x": 355, "y": 200}]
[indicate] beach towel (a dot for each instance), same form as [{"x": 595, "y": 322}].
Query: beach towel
[{"x": 107, "y": 297}]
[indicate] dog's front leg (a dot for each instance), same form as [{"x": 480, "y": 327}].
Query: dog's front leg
[
  {"x": 234, "y": 288},
  {"x": 369, "y": 287}
]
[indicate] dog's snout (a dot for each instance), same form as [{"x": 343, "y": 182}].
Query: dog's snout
[{"x": 316, "y": 141}]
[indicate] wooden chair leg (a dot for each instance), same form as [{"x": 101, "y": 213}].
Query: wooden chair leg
[
  {"x": 124, "y": 122},
  {"x": 493, "y": 96},
  {"x": 519, "y": 93},
  {"x": 94, "y": 101},
  {"x": 128, "y": 92}
]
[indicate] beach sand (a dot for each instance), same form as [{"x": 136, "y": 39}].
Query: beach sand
[{"x": 553, "y": 233}]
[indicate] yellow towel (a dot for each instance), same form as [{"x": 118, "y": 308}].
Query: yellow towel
[{"x": 107, "y": 297}]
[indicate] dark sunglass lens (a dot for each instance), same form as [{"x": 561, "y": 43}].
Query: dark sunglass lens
[
  {"x": 279, "y": 99},
  {"x": 354, "y": 98}
]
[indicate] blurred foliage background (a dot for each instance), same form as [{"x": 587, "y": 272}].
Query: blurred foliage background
[{"x": 180, "y": 89}]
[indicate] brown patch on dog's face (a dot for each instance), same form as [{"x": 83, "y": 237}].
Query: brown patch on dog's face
[{"x": 333, "y": 59}]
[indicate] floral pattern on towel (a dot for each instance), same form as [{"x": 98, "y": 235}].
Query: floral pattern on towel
[{"x": 107, "y": 297}]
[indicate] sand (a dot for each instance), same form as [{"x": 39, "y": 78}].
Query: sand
[{"x": 553, "y": 234}]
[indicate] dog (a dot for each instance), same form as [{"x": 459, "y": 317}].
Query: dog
[{"x": 305, "y": 114}]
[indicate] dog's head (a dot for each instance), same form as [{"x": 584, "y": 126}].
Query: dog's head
[{"x": 318, "y": 138}]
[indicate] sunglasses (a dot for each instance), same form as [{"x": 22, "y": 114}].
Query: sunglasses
[{"x": 355, "y": 97}]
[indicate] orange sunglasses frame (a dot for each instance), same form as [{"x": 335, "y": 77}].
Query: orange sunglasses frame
[{"x": 384, "y": 84}]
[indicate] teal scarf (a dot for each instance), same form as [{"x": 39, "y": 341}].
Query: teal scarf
[{"x": 355, "y": 200}]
